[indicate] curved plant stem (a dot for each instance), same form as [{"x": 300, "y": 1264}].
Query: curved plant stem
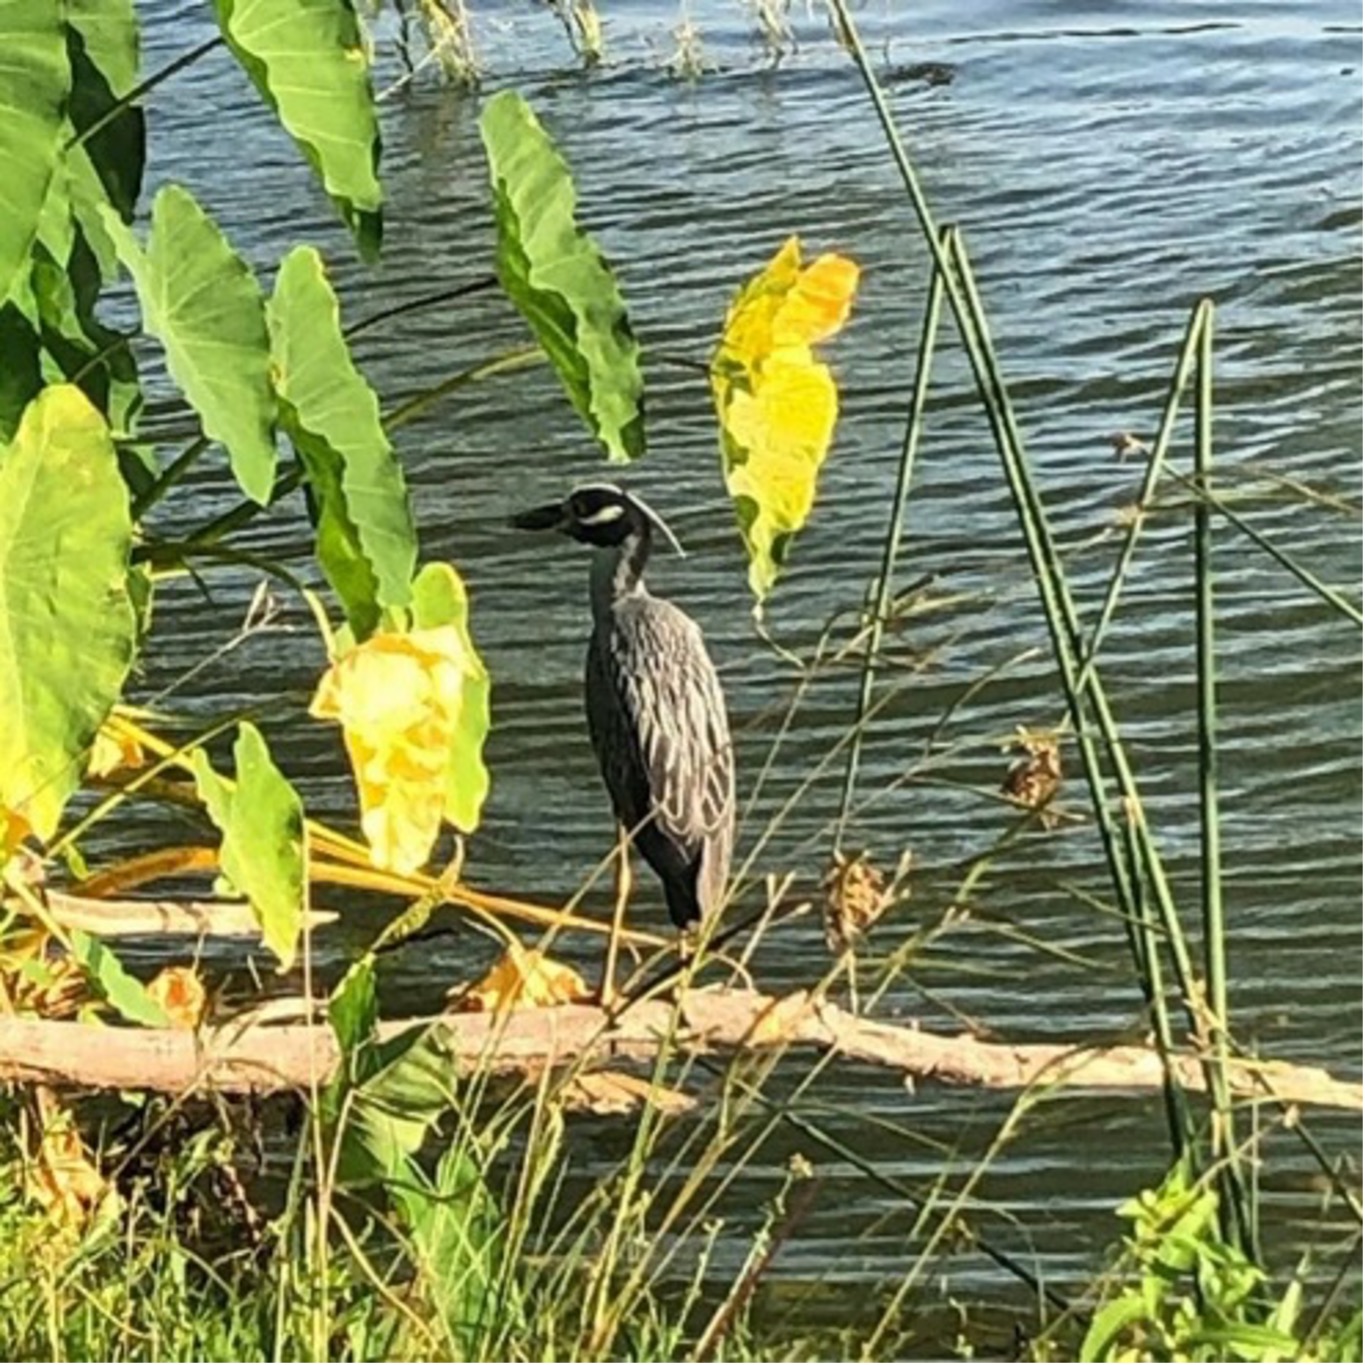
[
  {"x": 461, "y": 291},
  {"x": 520, "y": 359},
  {"x": 169, "y": 477}
]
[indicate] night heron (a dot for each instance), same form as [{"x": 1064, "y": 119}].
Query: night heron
[{"x": 656, "y": 712}]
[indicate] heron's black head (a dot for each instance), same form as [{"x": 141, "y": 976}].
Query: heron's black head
[{"x": 599, "y": 514}]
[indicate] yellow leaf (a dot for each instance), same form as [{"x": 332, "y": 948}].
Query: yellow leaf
[
  {"x": 59, "y": 1174},
  {"x": 181, "y": 994},
  {"x": 115, "y": 747},
  {"x": 34, "y": 981},
  {"x": 14, "y": 829},
  {"x": 618, "y": 1092},
  {"x": 398, "y": 699},
  {"x": 776, "y": 403},
  {"x": 818, "y": 303},
  {"x": 525, "y": 978}
]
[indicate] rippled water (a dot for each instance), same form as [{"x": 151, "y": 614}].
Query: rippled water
[{"x": 1109, "y": 163}]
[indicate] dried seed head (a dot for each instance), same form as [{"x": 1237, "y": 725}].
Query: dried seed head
[
  {"x": 1034, "y": 778},
  {"x": 857, "y": 894}
]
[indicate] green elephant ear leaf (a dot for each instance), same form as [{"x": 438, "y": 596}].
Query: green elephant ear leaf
[
  {"x": 439, "y": 598},
  {"x": 201, "y": 301},
  {"x": 116, "y": 986},
  {"x": 67, "y": 625},
  {"x": 261, "y": 821},
  {"x": 308, "y": 60},
  {"x": 553, "y": 272},
  {"x": 35, "y": 84},
  {"x": 366, "y": 541}
]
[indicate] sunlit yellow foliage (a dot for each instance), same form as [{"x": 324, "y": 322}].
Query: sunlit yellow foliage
[
  {"x": 14, "y": 829},
  {"x": 181, "y": 994},
  {"x": 115, "y": 747},
  {"x": 776, "y": 403},
  {"x": 523, "y": 978},
  {"x": 398, "y": 699},
  {"x": 59, "y": 1174},
  {"x": 33, "y": 981}
]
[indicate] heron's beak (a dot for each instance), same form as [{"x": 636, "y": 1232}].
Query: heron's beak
[{"x": 551, "y": 517}]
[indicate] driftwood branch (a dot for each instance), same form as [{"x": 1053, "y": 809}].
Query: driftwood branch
[
  {"x": 251, "y": 1055},
  {"x": 194, "y": 919}
]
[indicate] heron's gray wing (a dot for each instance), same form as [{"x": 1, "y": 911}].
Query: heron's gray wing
[{"x": 657, "y": 717}]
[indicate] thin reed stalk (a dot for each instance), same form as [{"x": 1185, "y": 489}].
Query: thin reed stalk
[
  {"x": 895, "y": 528},
  {"x": 1232, "y": 1208},
  {"x": 1156, "y": 463},
  {"x": 1082, "y": 686},
  {"x": 1333, "y": 597}
]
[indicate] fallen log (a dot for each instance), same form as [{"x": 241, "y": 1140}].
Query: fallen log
[{"x": 250, "y": 1055}]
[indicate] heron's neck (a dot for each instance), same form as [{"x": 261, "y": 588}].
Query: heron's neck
[{"x": 619, "y": 571}]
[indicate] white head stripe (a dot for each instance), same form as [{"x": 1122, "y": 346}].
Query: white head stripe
[{"x": 612, "y": 511}]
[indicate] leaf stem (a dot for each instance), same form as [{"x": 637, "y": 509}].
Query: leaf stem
[
  {"x": 398, "y": 310},
  {"x": 144, "y": 88},
  {"x": 520, "y": 359},
  {"x": 169, "y": 477}
]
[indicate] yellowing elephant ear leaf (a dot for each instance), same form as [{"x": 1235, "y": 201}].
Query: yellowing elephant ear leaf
[
  {"x": 777, "y": 404},
  {"x": 818, "y": 303},
  {"x": 413, "y": 708},
  {"x": 524, "y": 978}
]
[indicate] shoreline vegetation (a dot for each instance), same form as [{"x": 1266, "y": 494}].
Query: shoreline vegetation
[{"x": 417, "y": 1193}]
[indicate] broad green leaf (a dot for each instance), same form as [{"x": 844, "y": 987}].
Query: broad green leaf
[
  {"x": 353, "y": 1012},
  {"x": 308, "y": 60},
  {"x": 391, "y": 1111},
  {"x": 201, "y": 301},
  {"x": 777, "y": 405},
  {"x": 554, "y": 273},
  {"x": 1109, "y": 1324},
  {"x": 74, "y": 255},
  {"x": 35, "y": 83},
  {"x": 366, "y": 542},
  {"x": 261, "y": 821},
  {"x": 382, "y": 1106},
  {"x": 116, "y": 987},
  {"x": 66, "y": 622},
  {"x": 440, "y": 599},
  {"x": 453, "y": 1227}
]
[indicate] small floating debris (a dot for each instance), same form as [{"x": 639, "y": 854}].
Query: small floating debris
[
  {"x": 1127, "y": 445},
  {"x": 927, "y": 73}
]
